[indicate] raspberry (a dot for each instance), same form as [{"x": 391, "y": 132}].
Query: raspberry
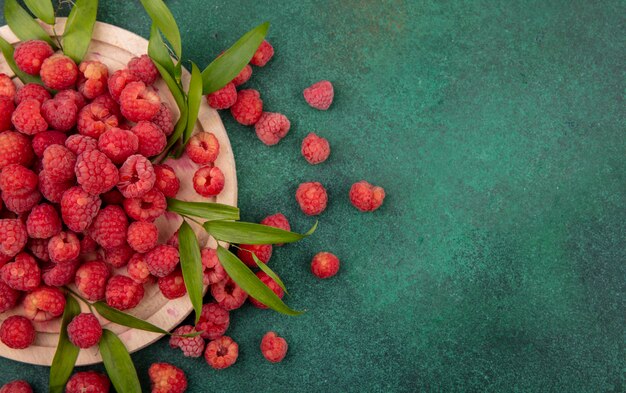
[
  {"x": 51, "y": 190},
  {"x": 19, "y": 386},
  {"x": 95, "y": 172},
  {"x": 30, "y": 55},
  {"x": 8, "y": 297},
  {"x": 91, "y": 280},
  {"x": 223, "y": 98},
  {"x": 279, "y": 221},
  {"x": 21, "y": 204},
  {"x": 312, "y": 198},
  {"x": 17, "y": 332},
  {"x": 142, "y": 236},
  {"x": 166, "y": 378},
  {"x": 15, "y": 148},
  {"x": 7, "y": 87},
  {"x": 23, "y": 274},
  {"x": 78, "y": 208},
  {"x": 45, "y": 139},
  {"x": 214, "y": 321},
  {"x": 315, "y": 149},
  {"x": 152, "y": 140},
  {"x": 92, "y": 79},
  {"x": 109, "y": 227},
  {"x": 325, "y": 265},
  {"x": 61, "y": 114},
  {"x": 44, "y": 304},
  {"x": 203, "y": 148},
  {"x": 137, "y": 176},
  {"x": 94, "y": 119},
  {"x": 263, "y": 54},
  {"x": 137, "y": 268},
  {"x": 84, "y": 330},
  {"x": 87, "y": 244},
  {"x": 208, "y": 181},
  {"x": 27, "y": 117},
  {"x": 273, "y": 348},
  {"x": 166, "y": 180},
  {"x": 88, "y": 382},
  {"x": 64, "y": 247},
  {"x": 32, "y": 91},
  {"x": 79, "y": 144},
  {"x": 191, "y": 346},
  {"x": 271, "y": 284},
  {"x": 243, "y": 76},
  {"x": 118, "y": 256},
  {"x": 113, "y": 197},
  {"x": 59, "y": 162},
  {"x": 13, "y": 236},
  {"x": 221, "y": 353},
  {"x": 139, "y": 102},
  {"x": 60, "y": 274},
  {"x": 164, "y": 120},
  {"x": 248, "y": 108},
  {"x": 17, "y": 180},
  {"x": 39, "y": 248},
  {"x": 43, "y": 222},
  {"x": 272, "y": 127},
  {"x": 228, "y": 294},
  {"x": 108, "y": 102},
  {"x": 6, "y": 111},
  {"x": 172, "y": 286},
  {"x": 319, "y": 95},
  {"x": 144, "y": 69},
  {"x": 162, "y": 260},
  {"x": 118, "y": 81},
  {"x": 118, "y": 144},
  {"x": 146, "y": 208},
  {"x": 262, "y": 251},
  {"x": 173, "y": 240},
  {"x": 58, "y": 72},
  {"x": 123, "y": 293},
  {"x": 213, "y": 269},
  {"x": 366, "y": 197},
  {"x": 76, "y": 97}
]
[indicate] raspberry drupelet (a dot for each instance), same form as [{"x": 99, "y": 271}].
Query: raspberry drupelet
[
  {"x": 91, "y": 279},
  {"x": 166, "y": 180},
  {"x": 123, "y": 293},
  {"x": 312, "y": 198},
  {"x": 271, "y": 284},
  {"x": 191, "y": 346},
  {"x": 262, "y": 251},
  {"x": 17, "y": 332},
  {"x": 221, "y": 353},
  {"x": 325, "y": 265},
  {"x": 78, "y": 208},
  {"x": 23, "y": 274},
  {"x": 315, "y": 149},
  {"x": 248, "y": 108},
  {"x": 263, "y": 54},
  {"x": 88, "y": 382},
  {"x": 43, "y": 222},
  {"x": 58, "y": 72},
  {"x": 203, "y": 148},
  {"x": 366, "y": 197},
  {"x": 166, "y": 378},
  {"x": 208, "y": 181},
  {"x": 319, "y": 95},
  {"x": 142, "y": 236},
  {"x": 214, "y": 321},
  {"x": 273, "y": 347},
  {"x": 228, "y": 294},
  {"x": 137, "y": 177},
  {"x": 272, "y": 127},
  {"x": 44, "y": 304},
  {"x": 19, "y": 386},
  {"x": 223, "y": 98},
  {"x": 84, "y": 330},
  {"x": 118, "y": 144}
]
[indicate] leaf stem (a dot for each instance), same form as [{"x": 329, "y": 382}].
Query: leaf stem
[{"x": 82, "y": 299}]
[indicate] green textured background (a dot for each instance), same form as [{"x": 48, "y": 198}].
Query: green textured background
[{"x": 497, "y": 262}]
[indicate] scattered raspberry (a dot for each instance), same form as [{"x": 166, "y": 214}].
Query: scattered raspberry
[
  {"x": 13, "y": 236},
  {"x": 51, "y": 190},
  {"x": 91, "y": 279},
  {"x": 17, "y": 332},
  {"x": 6, "y": 112},
  {"x": 88, "y": 382},
  {"x": 162, "y": 260},
  {"x": 118, "y": 256},
  {"x": 208, "y": 181},
  {"x": 137, "y": 268},
  {"x": 152, "y": 140},
  {"x": 8, "y": 297},
  {"x": 279, "y": 221},
  {"x": 23, "y": 274},
  {"x": 30, "y": 55},
  {"x": 92, "y": 79},
  {"x": 109, "y": 102},
  {"x": 87, "y": 244},
  {"x": 77, "y": 98},
  {"x": 243, "y": 76},
  {"x": 263, "y": 54},
  {"x": 45, "y": 139},
  {"x": 79, "y": 144},
  {"x": 203, "y": 148},
  {"x": 271, "y": 284},
  {"x": 78, "y": 208},
  {"x": 312, "y": 198},
  {"x": 319, "y": 95},
  {"x": 143, "y": 236},
  {"x": 94, "y": 119},
  {"x": 60, "y": 114},
  {"x": 164, "y": 120},
  {"x": 64, "y": 247},
  {"x": 58, "y": 72},
  {"x": 118, "y": 81},
  {"x": 221, "y": 353},
  {"x": 147, "y": 207},
  {"x": 139, "y": 102},
  {"x": 23, "y": 203},
  {"x": 191, "y": 346},
  {"x": 109, "y": 227},
  {"x": 32, "y": 91},
  {"x": 144, "y": 69},
  {"x": 17, "y": 180},
  {"x": 43, "y": 222},
  {"x": 213, "y": 270},
  {"x": 84, "y": 330},
  {"x": 19, "y": 386},
  {"x": 172, "y": 286},
  {"x": 315, "y": 149},
  {"x": 59, "y": 162},
  {"x": 262, "y": 251},
  {"x": 123, "y": 293},
  {"x": 95, "y": 172},
  {"x": 366, "y": 197},
  {"x": 228, "y": 294},
  {"x": 137, "y": 176},
  {"x": 272, "y": 127},
  {"x": 214, "y": 321},
  {"x": 44, "y": 304},
  {"x": 39, "y": 249},
  {"x": 223, "y": 98},
  {"x": 166, "y": 378},
  {"x": 166, "y": 180},
  {"x": 59, "y": 274},
  {"x": 7, "y": 87},
  {"x": 273, "y": 348},
  {"x": 248, "y": 108},
  {"x": 325, "y": 265},
  {"x": 15, "y": 148},
  {"x": 27, "y": 117},
  {"x": 118, "y": 144}
]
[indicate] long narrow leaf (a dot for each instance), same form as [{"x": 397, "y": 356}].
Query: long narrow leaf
[
  {"x": 178, "y": 132},
  {"x": 42, "y": 9},
  {"x": 162, "y": 17},
  {"x": 266, "y": 269},
  {"x": 23, "y": 25},
  {"x": 175, "y": 89},
  {"x": 194, "y": 98},
  {"x": 66, "y": 353},
  {"x": 250, "y": 233},
  {"x": 79, "y": 28},
  {"x": 7, "y": 52},
  {"x": 158, "y": 51},
  {"x": 191, "y": 265},
  {"x": 118, "y": 363},
  {"x": 121, "y": 318},
  {"x": 206, "y": 210}
]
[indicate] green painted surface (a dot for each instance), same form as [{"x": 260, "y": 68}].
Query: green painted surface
[{"x": 497, "y": 129}]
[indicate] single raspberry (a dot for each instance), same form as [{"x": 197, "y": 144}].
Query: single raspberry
[
  {"x": 118, "y": 81},
  {"x": 113, "y": 197},
  {"x": 76, "y": 97},
  {"x": 23, "y": 274},
  {"x": 15, "y": 148},
  {"x": 312, "y": 198},
  {"x": 84, "y": 330},
  {"x": 23, "y": 203},
  {"x": 366, "y": 197},
  {"x": 203, "y": 148},
  {"x": 59, "y": 274},
  {"x": 221, "y": 353},
  {"x": 271, "y": 284},
  {"x": 279, "y": 221},
  {"x": 262, "y": 251},
  {"x": 213, "y": 270},
  {"x": 214, "y": 321},
  {"x": 39, "y": 248},
  {"x": 144, "y": 69},
  {"x": 118, "y": 256},
  {"x": 191, "y": 346},
  {"x": 79, "y": 144},
  {"x": 123, "y": 293},
  {"x": 109, "y": 227},
  {"x": 44, "y": 304},
  {"x": 94, "y": 119},
  {"x": 243, "y": 76},
  {"x": 319, "y": 95},
  {"x": 88, "y": 382},
  {"x": 143, "y": 236},
  {"x": 139, "y": 102},
  {"x": 52, "y": 190},
  {"x": 273, "y": 347},
  {"x": 7, "y": 87},
  {"x": 109, "y": 102},
  {"x": 208, "y": 181},
  {"x": 162, "y": 260},
  {"x": 91, "y": 280},
  {"x": 27, "y": 117},
  {"x": 92, "y": 79},
  {"x": 166, "y": 378},
  {"x": 95, "y": 172},
  {"x": 45, "y": 139},
  {"x": 32, "y": 91},
  {"x": 172, "y": 286},
  {"x": 30, "y": 55},
  {"x": 59, "y": 162},
  {"x": 13, "y": 236},
  {"x": 19, "y": 386},
  {"x": 272, "y": 127},
  {"x": 146, "y": 208},
  {"x": 223, "y": 98},
  {"x": 87, "y": 244},
  {"x": 164, "y": 120},
  {"x": 43, "y": 222},
  {"x": 315, "y": 149},
  {"x": 152, "y": 140},
  {"x": 263, "y": 54},
  {"x": 137, "y": 176},
  {"x": 166, "y": 180},
  {"x": 6, "y": 112},
  {"x": 58, "y": 72},
  {"x": 64, "y": 247},
  {"x": 78, "y": 208},
  {"x": 228, "y": 294},
  {"x": 8, "y": 297},
  {"x": 137, "y": 268},
  {"x": 60, "y": 114},
  {"x": 325, "y": 265},
  {"x": 17, "y": 332},
  {"x": 248, "y": 108},
  {"x": 17, "y": 180},
  {"x": 118, "y": 144},
  {"x": 173, "y": 240}
]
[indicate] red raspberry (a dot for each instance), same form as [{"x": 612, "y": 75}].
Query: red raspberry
[
  {"x": 146, "y": 208},
  {"x": 262, "y": 251},
  {"x": 77, "y": 98},
  {"x": 214, "y": 321},
  {"x": 60, "y": 274},
  {"x": 137, "y": 176},
  {"x": 208, "y": 181},
  {"x": 23, "y": 274},
  {"x": 143, "y": 236},
  {"x": 64, "y": 247},
  {"x": 366, "y": 197},
  {"x": 58, "y": 72},
  {"x": 273, "y": 348},
  {"x": 78, "y": 208},
  {"x": 16, "y": 180},
  {"x": 223, "y": 98},
  {"x": 6, "y": 112},
  {"x": 112, "y": 197},
  {"x": 118, "y": 144},
  {"x": 27, "y": 117},
  {"x": 79, "y": 144},
  {"x": 203, "y": 148},
  {"x": 30, "y": 55},
  {"x": 109, "y": 102},
  {"x": 39, "y": 248},
  {"x": 4, "y": 259},
  {"x": 95, "y": 172},
  {"x": 144, "y": 69},
  {"x": 43, "y": 222},
  {"x": 325, "y": 265},
  {"x": 92, "y": 79},
  {"x": 17, "y": 332},
  {"x": 47, "y": 138},
  {"x": 166, "y": 180},
  {"x": 162, "y": 260},
  {"x": 91, "y": 280},
  {"x": 61, "y": 114},
  {"x": 32, "y": 91},
  {"x": 315, "y": 149},
  {"x": 319, "y": 95},
  {"x": 137, "y": 268},
  {"x": 59, "y": 162},
  {"x": 191, "y": 346},
  {"x": 243, "y": 76},
  {"x": 213, "y": 269},
  {"x": 13, "y": 236},
  {"x": 172, "y": 286},
  {"x": 164, "y": 120},
  {"x": 118, "y": 81},
  {"x": 123, "y": 293},
  {"x": 271, "y": 284},
  {"x": 94, "y": 119},
  {"x": 152, "y": 140},
  {"x": 15, "y": 148},
  {"x": 19, "y": 386},
  {"x": 279, "y": 221},
  {"x": 221, "y": 353},
  {"x": 8, "y": 297},
  {"x": 248, "y": 108},
  {"x": 173, "y": 240},
  {"x": 228, "y": 294},
  {"x": 88, "y": 382},
  {"x": 84, "y": 330},
  {"x": 139, "y": 102},
  {"x": 109, "y": 227},
  {"x": 44, "y": 304},
  {"x": 51, "y": 190},
  {"x": 21, "y": 204},
  {"x": 312, "y": 198},
  {"x": 272, "y": 127},
  {"x": 87, "y": 244},
  {"x": 263, "y": 54},
  {"x": 118, "y": 256},
  {"x": 166, "y": 378},
  {"x": 7, "y": 87}
]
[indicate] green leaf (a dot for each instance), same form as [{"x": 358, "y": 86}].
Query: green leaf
[
  {"x": 118, "y": 363},
  {"x": 79, "y": 28},
  {"x": 249, "y": 233},
  {"x": 162, "y": 17},
  {"x": 121, "y": 318},
  {"x": 230, "y": 63},
  {"x": 177, "y": 134},
  {"x": 206, "y": 210},
  {"x": 175, "y": 89},
  {"x": 191, "y": 265},
  {"x": 250, "y": 283},
  {"x": 23, "y": 25},
  {"x": 7, "y": 52},
  {"x": 194, "y": 98},
  {"x": 66, "y": 353},
  {"x": 158, "y": 51},
  {"x": 42, "y": 9},
  {"x": 266, "y": 269}
]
